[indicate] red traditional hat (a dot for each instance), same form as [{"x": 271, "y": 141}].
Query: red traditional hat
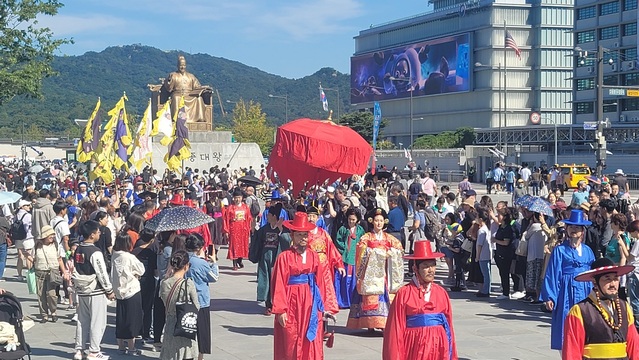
[
  {"x": 177, "y": 200},
  {"x": 423, "y": 251},
  {"x": 299, "y": 223},
  {"x": 603, "y": 266}
]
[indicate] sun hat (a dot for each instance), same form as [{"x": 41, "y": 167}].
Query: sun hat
[
  {"x": 469, "y": 203},
  {"x": 603, "y": 266},
  {"x": 619, "y": 172},
  {"x": 46, "y": 231},
  {"x": 423, "y": 251},
  {"x": 577, "y": 218},
  {"x": 299, "y": 223},
  {"x": 24, "y": 203}
]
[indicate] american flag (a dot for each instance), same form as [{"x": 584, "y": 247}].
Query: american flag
[{"x": 510, "y": 43}]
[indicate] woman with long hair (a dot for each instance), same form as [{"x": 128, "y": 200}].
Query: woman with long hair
[
  {"x": 133, "y": 226},
  {"x": 347, "y": 238},
  {"x": 504, "y": 240},
  {"x": 125, "y": 271},
  {"x": 173, "y": 290}
]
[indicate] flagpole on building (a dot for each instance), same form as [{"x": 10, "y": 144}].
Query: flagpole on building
[{"x": 505, "y": 149}]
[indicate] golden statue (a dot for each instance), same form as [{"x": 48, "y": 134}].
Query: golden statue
[{"x": 197, "y": 98}]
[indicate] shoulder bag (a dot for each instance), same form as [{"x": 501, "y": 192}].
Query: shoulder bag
[{"x": 185, "y": 313}]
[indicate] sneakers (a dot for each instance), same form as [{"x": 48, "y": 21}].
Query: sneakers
[
  {"x": 74, "y": 318},
  {"x": 502, "y": 297},
  {"x": 518, "y": 295},
  {"x": 97, "y": 355},
  {"x": 134, "y": 352},
  {"x": 78, "y": 355}
]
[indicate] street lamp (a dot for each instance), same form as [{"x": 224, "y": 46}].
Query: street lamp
[
  {"x": 554, "y": 122},
  {"x": 285, "y": 97},
  {"x": 336, "y": 90},
  {"x": 404, "y": 79}
]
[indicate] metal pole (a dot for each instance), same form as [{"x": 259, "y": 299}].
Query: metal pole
[
  {"x": 337, "y": 120},
  {"x": 500, "y": 148},
  {"x": 505, "y": 95},
  {"x": 600, "y": 115},
  {"x": 555, "y": 122},
  {"x": 286, "y": 107},
  {"x": 411, "y": 118}
]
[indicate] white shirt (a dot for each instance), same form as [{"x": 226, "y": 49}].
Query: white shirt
[
  {"x": 61, "y": 228},
  {"x": 525, "y": 173}
]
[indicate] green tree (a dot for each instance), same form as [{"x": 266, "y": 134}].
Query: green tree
[
  {"x": 446, "y": 140},
  {"x": 26, "y": 50},
  {"x": 385, "y": 145},
  {"x": 362, "y": 123},
  {"x": 249, "y": 125}
]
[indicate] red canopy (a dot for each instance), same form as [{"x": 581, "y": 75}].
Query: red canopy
[{"x": 317, "y": 150}]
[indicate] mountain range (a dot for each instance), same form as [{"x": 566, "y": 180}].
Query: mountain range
[{"x": 116, "y": 70}]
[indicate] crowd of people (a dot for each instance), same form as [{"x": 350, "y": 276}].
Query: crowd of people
[{"x": 319, "y": 250}]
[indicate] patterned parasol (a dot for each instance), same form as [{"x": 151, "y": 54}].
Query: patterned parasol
[
  {"x": 524, "y": 200},
  {"x": 177, "y": 218},
  {"x": 540, "y": 206}
]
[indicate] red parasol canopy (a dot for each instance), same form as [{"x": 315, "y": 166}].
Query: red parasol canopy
[{"x": 317, "y": 150}]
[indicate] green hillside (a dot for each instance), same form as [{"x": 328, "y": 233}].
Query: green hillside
[{"x": 107, "y": 74}]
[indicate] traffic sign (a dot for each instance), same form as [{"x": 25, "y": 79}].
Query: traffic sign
[
  {"x": 590, "y": 125},
  {"x": 617, "y": 92},
  {"x": 632, "y": 93}
]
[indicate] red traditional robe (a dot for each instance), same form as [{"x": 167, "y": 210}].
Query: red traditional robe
[
  {"x": 418, "y": 343},
  {"x": 237, "y": 223},
  {"x": 586, "y": 335},
  {"x": 330, "y": 258},
  {"x": 296, "y": 301}
]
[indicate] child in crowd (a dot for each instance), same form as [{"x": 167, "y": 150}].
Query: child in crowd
[{"x": 460, "y": 256}]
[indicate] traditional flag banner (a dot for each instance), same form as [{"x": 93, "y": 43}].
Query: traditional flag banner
[
  {"x": 377, "y": 113},
  {"x": 323, "y": 99},
  {"x": 143, "y": 142},
  {"x": 106, "y": 157},
  {"x": 90, "y": 137},
  {"x": 180, "y": 147},
  {"x": 163, "y": 124},
  {"x": 509, "y": 42}
]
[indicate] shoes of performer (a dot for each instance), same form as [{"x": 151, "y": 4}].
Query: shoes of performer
[{"x": 235, "y": 268}]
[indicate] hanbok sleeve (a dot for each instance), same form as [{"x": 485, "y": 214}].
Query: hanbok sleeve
[
  {"x": 448, "y": 312},
  {"x": 574, "y": 335},
  {"x": 279, "y": 282},
  {"x": 334, "y": 256},
  {"x": 226, "y": 219},
  {"x": 341, "y": 240},
  {"x": 632, "y": 341},
  {"x": 550, "y": 286},
  {"x": 393, "y": 347}
]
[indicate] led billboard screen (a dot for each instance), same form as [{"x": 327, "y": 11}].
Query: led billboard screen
[{"x": 430, "y": 67}]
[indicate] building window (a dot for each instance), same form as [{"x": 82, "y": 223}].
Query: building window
[
  {"x": 610, "y": 32},
  {"x": 630, "y": 29},
  {"x": 587, "y": 12},
  {"x": 585, "y": 84},
  {"x": 630, "y": 54},
  {"x": 630, "y": 104},
  {"x": 584, "y": 107},
  {"x": 609, "y": 8},
  {"x": 610, "y": 105},
  {"x": 630, "y": 79},
  {"x": 610, "y": 80},
  {"x": 629, "y": 5},
  {"x": 585, "y": 36}
]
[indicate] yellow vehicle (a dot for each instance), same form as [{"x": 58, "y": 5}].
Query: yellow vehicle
[{"x": 574, "y": 173}]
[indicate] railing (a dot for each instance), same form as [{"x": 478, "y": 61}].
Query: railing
[
  {"x": 633, "y": 182},
  {"x": 447, "y": 176}
]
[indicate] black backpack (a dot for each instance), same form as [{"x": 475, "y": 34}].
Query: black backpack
[
  {"x": 255, "y": 207},
  {"x": 17, "y": 231}
]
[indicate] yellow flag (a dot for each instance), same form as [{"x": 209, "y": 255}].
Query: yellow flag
[{"x": 89, "y": 142}]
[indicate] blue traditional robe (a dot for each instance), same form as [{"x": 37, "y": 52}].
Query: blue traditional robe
[{"x": 561, "y": 287}]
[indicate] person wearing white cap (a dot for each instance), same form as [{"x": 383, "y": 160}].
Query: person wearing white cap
[
  {"x": 621, "y": 180},
  {"x": 24, "y": 243}
]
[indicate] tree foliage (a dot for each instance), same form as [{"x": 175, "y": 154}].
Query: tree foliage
[
  {"x": 447, "y": 139},
  {"x": 26, "y": 50},
  {"x": 362, "y": 123},
  {"x": 249, "y": 125}
]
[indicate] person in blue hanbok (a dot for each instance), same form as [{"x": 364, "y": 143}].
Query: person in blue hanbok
[
  {"x": 560, "y": 290},
  {"x": 346, "y": 242}
]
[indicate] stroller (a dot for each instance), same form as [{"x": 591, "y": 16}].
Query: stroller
[{"x": 11, "y": 312}]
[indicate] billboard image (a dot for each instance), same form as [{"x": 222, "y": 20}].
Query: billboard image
[{"x": 430, "y": 67}]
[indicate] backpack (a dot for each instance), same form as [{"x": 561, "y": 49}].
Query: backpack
[
  {"x": 17, "y": 231},
  {"x": 255, "y": 207},
  {"x": 433, "y": 228}
]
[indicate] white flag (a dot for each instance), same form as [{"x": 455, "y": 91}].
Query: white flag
[{"x": 164, "y": 124}]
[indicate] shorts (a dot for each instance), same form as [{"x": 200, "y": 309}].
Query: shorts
[{"x": 204, "y": 330}]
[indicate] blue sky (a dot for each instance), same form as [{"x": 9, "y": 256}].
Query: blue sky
[{"x": 291, "y": 38}]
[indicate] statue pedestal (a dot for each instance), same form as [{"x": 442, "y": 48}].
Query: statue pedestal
[{"x": 211, "y": 148}]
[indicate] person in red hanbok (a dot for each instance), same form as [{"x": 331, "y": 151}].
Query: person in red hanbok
[
  {"x": 420, "y": 322},
  {"x": 602, "y": 325},
  {"x": 202, "y": 230},
  {"x": 297, "y": 301},
  {"x": 330, "y": 258},
  {"x": 237, "y": 228}
]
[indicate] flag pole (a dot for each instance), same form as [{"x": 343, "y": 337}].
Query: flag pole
[{"x": 505, "y": 150}]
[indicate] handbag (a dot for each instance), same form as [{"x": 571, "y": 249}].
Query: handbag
[
  {"x": 31, "y": 281},
  {"x": 185, "y": 313},
  {"x": 54, "y": 275},
  {"x": 467, "y": 245},
  {"x": 522, "y": 246}
]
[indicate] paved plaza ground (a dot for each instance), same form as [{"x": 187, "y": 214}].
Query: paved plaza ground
[{"x": 484, "y": 329}]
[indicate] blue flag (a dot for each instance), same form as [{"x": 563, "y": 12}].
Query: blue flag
[{"x": 377, "y": 112}]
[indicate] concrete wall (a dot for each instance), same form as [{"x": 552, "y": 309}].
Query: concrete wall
[
  {"x": 49, "y": 152},
  {"x": 207, "y": 151}
]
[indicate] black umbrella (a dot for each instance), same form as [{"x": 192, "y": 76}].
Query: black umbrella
[
  {"x": 250, "y": 180},
  {"x": 177, "y": 218}
]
